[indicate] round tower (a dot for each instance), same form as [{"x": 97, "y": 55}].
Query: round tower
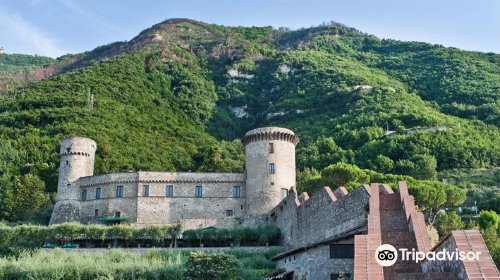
[
  {"x": 77, "y": 160},
  {"x": 270, "y": 167}
]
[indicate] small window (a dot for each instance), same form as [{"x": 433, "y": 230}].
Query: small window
[
  {"x": 271, "y": 148},
  {"x": 170, "y": 191},
  {"x": 241, "y": 207},
  {"x": 118, "y": 214},
  {"x": 84, "y": 195},
  {"x": 68, "y": 185},
  {"x": 236, "y": 191},
  {"x": 67, "y": 163},
  {"x": 68, "y": 150},
  {"x": 145, "y": 190},
  {"x": 98, "y": 193},
  {"x": 119, "y": 191},
  {"x": 198, "y": 191},
  {"x": 284, "y": 193},
  {"x": 229, "y": 213},
  {"x": 271, "y": 168},
  {"x": 96, "y": 212},
  {"x": 340, "y": 276},
  {"x": 342, "y": 251}
]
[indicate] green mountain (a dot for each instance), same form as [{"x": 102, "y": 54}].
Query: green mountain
[{"x": 181, "y": 94}]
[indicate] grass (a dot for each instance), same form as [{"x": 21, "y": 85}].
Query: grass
[{"x": 118, "y": 264}]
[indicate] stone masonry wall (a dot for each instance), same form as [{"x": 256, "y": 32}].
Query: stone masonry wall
[
  {"x": 322, "y": 216},
  {"x": 445, "y": 265},
  {"x": 77, "y": 160},
  {"x": 265, "y": 189},
  {"x": 316, "y": 264},
  {"x": 157, "y": 208}
]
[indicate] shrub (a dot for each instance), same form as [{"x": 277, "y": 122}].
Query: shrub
[{"x": 201, "y": 266}]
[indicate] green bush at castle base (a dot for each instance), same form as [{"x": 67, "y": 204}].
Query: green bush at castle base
[{"x": 77, "y": 235}]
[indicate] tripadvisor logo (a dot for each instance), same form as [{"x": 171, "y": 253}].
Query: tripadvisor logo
[{"x": 387, "y": 255}]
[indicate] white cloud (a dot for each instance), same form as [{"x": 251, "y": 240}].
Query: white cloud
[
  {"x": 26, "y": 33},
  {"x": 88, "y": 17}
]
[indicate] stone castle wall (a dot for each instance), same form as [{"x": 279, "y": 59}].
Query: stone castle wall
[
  {"x": 319, "y": 264},
  {"x": 338, "y": 211},
  {"x": 157, "y": 208}
]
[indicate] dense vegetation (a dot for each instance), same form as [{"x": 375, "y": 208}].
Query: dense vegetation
[
  {"x": 15, "y": 238},
  {"x": 181, "y": 94},
  {"x": 14, "y": 63},
  {"x": 155, "y": 264}
]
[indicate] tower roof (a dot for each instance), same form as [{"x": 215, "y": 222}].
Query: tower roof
[{"x": 270, "y": 133}]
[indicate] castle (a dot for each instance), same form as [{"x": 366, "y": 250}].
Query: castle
[
  {"x": 194, "y": 200},
  {"x": 330, "y": 235}
]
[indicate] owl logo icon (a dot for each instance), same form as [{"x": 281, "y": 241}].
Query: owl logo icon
[{"x": 386, "y": 255}]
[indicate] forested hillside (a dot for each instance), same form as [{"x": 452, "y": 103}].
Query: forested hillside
[{"x": 181, "y": 94}]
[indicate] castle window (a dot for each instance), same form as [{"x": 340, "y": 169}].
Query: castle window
[
  {"x": 145, "y": 190},
  {"x": 341, "y": 251},
  {"x": 271, "y": 148},
  {"x": 284, "y": 193},
  {"x": 67, "y": 163},
  {"x": 236, "y": 191},
  {"x": 98, "y": 193},
  {"x": 68, "y": 150},
  {"x": 84, "y": 195},
  {"x": 119, "y": 191},
  {"x": 117, "y": 214},
  {"x": 170, "y": 191},
  {"x": 68, "y": 185},
  {"x": 229, "y": 213},
  {"x": 198, "y": 191},
  {"x": 96, "y": 212},
  {"x": 271, "y": 168},
  {"x": 241, "y": 207}
]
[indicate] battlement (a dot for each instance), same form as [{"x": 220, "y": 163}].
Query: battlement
[
  {"x": 339, "y": 211},
  {"x": 270, "y": 133}
]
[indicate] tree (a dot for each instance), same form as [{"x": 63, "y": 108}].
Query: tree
[
  {"x": 7, "y": 200},
  {"x": 492, "y": 241},
  {"x": 29, "y": 194},
  {"x": 382, "y": 164},
  {"x": 447, "y": 222},
  {"x": 488, "y": 219},
  {"x": 174, "y": 232},
  {"x": 339, "y": 174},
  {"x": 202, "y": 266},
  {"x": 308, "y": 180},
  {"x": 425, "y": 167},
  {"x": 433, "y": 196}
]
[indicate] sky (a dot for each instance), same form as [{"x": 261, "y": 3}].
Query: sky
[{"x": 57, "y": 27}]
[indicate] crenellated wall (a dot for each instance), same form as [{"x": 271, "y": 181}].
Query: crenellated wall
[{"x": 326, "y": 214}]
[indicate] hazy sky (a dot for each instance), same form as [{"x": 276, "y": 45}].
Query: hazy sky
[{"x": 57, "y": 27}]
